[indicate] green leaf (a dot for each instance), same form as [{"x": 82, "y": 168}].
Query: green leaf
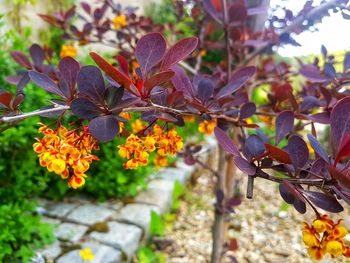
[{"x": 157, "y": 225}]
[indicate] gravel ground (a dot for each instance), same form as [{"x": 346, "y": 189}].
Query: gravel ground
[{"x": 267, "y": 229}]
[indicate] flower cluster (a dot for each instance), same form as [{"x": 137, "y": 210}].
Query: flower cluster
[
  {"x": 207, "y": 127},
  {"x": 324, "y": 236},
  {"x": 119, "y": 21},
  {"x": 160, "y": 161},
  {"x": 66, "y": 152},
  {"x": 137, "y": 150},
  {"x": 68, "y": 51},
  {"x": 138, "y": 126}
]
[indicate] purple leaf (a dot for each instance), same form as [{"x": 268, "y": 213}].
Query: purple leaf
[
  {"x": 84, "y": 108},
  {"x": 322, "y": 117},
  {"x": 91, "y": 83},
  {"x": 330, "y": 70},
  {"x": 150, "y": 49},
  {"x": 22, "y": 83},
  {"x": 225, "y": 142},
  {"x": 248, "y": 109},
  {"x": 37, "y": 54},
  {"x": 325, "y": 201},
  {"x": 284, "y": 124},
  {"x": 45, "y": 82},
  {"x": 319, "y": 150},
  {"x": 298, "y": 151},
  {"x": 346, "y": 64},
  {"x": 312, "y": 73},
  {"x": 253, "y": 147},
  {"x": 86, "y": 7},
  {"x": 69, "y": 69},
  {"x": 178, "y": 52},
  {"x": 210, "y": 9},
  {"x": 308, "y": 103},
  {"x": 238, "y": 79},
  {"x": 340, "y": 122},
  {"x": 300, "y": 206},
  {"x": 244, "y": 165},
  {"x": 21, "y": 59},
  {"x": 181, "y": 81},
  {"x": 104, "y": 128},
  {"x": 205, "y": 89}
]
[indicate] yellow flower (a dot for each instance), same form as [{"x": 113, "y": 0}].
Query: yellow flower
[
  {"x": 137, "y": 126},
  {"x": 86, "y": 254},
  {"x": 119, "y": 21},
  {"x": 203, "y": 53},
  {"x": 57, "y": 165},
  {"x": 149, "y": 143},
  {"x": 125, "y": 115},
  {"x": 68, "y": 51},
  {"x": 319, "y": 225},
  {"x": 77, "y": 181},
  {"x": 339, "y": 231},
  {"x": 160, "y": 161},
  {"x": 335, "y": 248},
  {"x": 131, "y": 164},
  {"x": 315, "y": 253},
  {"x": 207, "y": 127},
  {"x": 310, "y": 239}
]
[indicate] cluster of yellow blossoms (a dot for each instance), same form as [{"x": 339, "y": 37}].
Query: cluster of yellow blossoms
[
  {"x": 207, "y": 127},
  {"x": 137, "y": 150},
  {"x": 324, "y": 236},
  {"x": 66, "y": 151},
  {"x": 119, "y": 21},
  {"x": 68, "y": 51}
]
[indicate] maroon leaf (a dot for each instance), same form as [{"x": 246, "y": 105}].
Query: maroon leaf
[
  {"x": 316, "y": 145},
  {"x": 284, "y": 124},
  {"x": 84, "y": 108},
  {"x": 344, "y": 179},
  {"x": 247, "y": 110},
  {"x": 5, "y": 98},
  {"x": 21, "y": 59},
  {"x": 340, "y": 122},
  {"x": 312, "y": 73},
  {"x": 225, "y": 142},
  {"x": 149, "y": 51},
  {"x": 298, "y": 151},
  {"x": 178, "y": 52},
  {"x": 181, "y": 81},
  {"x": 325, "y": 201},
  {"x": 322, "y": 117},
  {"x": 69, "y": 69},
  {"x": 123, "y": 63},
  {"x": 244, "y": 165},
  {"x": 238, "y": 79},
  {"x": 104, "y": 128},
  {"x": 91, "y": 83},
  {"x": 158, "y": 79},
  {"x": 111, "y": 71},
  {"x": 37, "y": 54},
  {"x": 277, "y": 154},
  {"x": 344, "y": 149},
  {"x": 237, "y": 12},
  {"x": 45, "y": 82},
  {"x": 86, "y": 7},
  {"x": 292, "y": 196}
]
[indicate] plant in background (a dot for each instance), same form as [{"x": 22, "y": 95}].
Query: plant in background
[{"x": 159, "y": 88}]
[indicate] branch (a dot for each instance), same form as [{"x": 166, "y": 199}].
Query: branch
[
  {"x": 23, "y": 116},
  {"x": 288, "y": 29}
]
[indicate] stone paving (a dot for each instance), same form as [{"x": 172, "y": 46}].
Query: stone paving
[{"x": 113, "y": 231}]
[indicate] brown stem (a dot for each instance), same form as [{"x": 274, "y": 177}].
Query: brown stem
[{"x": 218, "y": 227}]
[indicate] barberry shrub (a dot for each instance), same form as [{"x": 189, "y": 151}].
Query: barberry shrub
[{"x": 153, "y": 81}]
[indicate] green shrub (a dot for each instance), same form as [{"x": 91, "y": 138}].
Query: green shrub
[{"x": 21, "y": 232}]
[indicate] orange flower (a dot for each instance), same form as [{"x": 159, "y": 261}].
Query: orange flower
[
  {"x": 62, "y": 151},
  {"x": 160, "y": 161},
  {"x": 138, "y": 126}
]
